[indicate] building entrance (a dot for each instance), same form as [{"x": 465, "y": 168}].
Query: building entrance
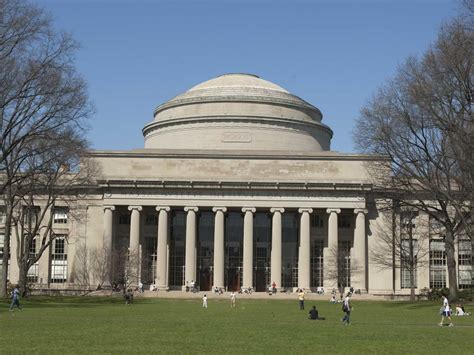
[{"x": 205, "y": 248}]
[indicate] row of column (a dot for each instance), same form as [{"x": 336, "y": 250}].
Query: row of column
[{"x": 304, "y": 252}]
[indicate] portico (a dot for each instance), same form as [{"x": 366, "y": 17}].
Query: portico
[{"x": 225, "y": 249}]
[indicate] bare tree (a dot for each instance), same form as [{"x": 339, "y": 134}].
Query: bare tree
[
  {"x": 43, "y": 107},
  {"x": 422, "y": 122},
  {"x": 341, "y": 269},
  {"x": 92, "y": 266},
  {"x": 402, "y": 242}
]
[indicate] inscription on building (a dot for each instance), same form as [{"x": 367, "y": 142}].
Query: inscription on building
[{"x": 236, "y": 137}]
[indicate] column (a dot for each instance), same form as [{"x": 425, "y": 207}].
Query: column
[
  {"x": 359, "y": 251},
  {"x": 134, "y": 256},
  {"x": 330, "y": 253},
  {"x": 276, "y": 246},
  {"x": 107, "y": 241},
  {"x": 190, "y": 259},
  {"x": 304, "y": 252},
  {"x": 248, "y": 247},
  {"x": 219, "y": 249},
  {"x": 162, "y": 248}
]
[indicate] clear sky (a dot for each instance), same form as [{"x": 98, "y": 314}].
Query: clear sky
[{"x": 138, "y": 54}]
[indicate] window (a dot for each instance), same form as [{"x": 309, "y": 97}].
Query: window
[
  {"x": 344, "y": 264},
  {"x": 437, "y": 264},
  {"x": 408, "y": 222},
  {"x": 60, "y": 215},
  {"x": 465, "y": 264},
  {"x": 124, "y": 218},
  {"x": 59, "y": 260},
  {"x": 2, "y": 241},
  {"x": 344, "y": 222},
  {"x": 317, "y": 221},
  {"x": 406, "y": 264},
  {"x": 317, "y": 263},
  {"x": 151, "y": 219},
  {"x": 2, "y": 216},
  {"x": 32, "y": 274}
]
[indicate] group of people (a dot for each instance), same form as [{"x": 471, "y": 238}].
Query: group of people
[
  {"x": 232, "y": 300},
  {"x": 446, "y": 312}
]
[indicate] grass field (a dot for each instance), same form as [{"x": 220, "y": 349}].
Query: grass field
[{"x": 106, "y": 325}]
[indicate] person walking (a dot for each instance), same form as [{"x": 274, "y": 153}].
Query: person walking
[
  {"x": 445, "y": 312},
  {"x": 301, "y": 299},
  {"x": 15, "y": 299},
  {"x": 232, "y": 299},
  {"x": 204, "y": 301},
  {"x": 346, "y": 308}
]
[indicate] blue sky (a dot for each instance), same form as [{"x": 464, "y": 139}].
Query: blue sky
[{"x": 138, "y": 54}]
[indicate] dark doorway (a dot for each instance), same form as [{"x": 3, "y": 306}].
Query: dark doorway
[
  {"x": 261, "y": 281},
  {"x": 205, "y": 250},
  {"x": 205, "y": 279},
  {"x": 233, "y": 277}
]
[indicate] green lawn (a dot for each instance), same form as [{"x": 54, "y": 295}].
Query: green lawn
[{"x": 106, "y": 325}]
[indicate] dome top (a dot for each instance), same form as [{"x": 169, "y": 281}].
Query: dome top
[
  {"x": 240, "y": 112},
  {"x": 239, "y": 87},
  {"x": 236, "y": 80}
]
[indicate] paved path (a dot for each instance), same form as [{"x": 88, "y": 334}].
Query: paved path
[{"x": 226, "y": 295}]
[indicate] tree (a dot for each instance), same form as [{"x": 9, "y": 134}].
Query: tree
[
  {"x": 422, "y": 121},
  {"x": 43, "y": 108},
  {"x": 341, "y": 269},
  {"x": 404, "y": 236}
]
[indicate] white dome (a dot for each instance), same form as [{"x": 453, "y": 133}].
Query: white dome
[{"x": 240, "y": 112}]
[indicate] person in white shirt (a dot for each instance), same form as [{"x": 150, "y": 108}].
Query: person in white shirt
[
  {"x": 446, "y": 312},
  {"x": 204, "y": 301},
  {"x": 232, "y": 299},
  {"x": 346, "y": 308}
]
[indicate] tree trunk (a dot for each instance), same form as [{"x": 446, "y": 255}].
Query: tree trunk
[
  {"x": 6, "y": 250},
  {"x": 412, "y": 262},
  {"x": 23, "y": 280},
  {"x": 451, "y": 264}
]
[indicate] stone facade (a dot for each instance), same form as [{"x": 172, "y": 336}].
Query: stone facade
[{"x": 236, "y": 188}]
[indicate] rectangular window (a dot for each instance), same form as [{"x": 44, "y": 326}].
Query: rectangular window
[
  {"x": 344, "y": 221},
  {"x": 60, "y": 215},
  {"x": 317, "y": 263},
  {"x": 408, "y": 222},
  {"x": 344, "y": 264},
  {"x": 2, "y": 216},
  {"x": 32, "y": 275},
  {"x": 124, "y": 218},
  {"x": 465, "y": 269},
  {"x": 317, "y": 221},
  {"x": 59, "y": 260},
  {"x": 437, "y": 264},
  {"x": 406, "y": 264},
  {"x": 151, "y": 219}
]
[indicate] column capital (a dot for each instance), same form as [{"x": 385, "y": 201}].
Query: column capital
[
  {"x": 335, "y": 210},
  {"x": 112, "y": 208},
  {"x": 162, "y": 208},
  {"x": 219, "y": 209},
  {"x": 191, "y": 208},
  {"x": 277, "y": 209},
  {"x": 303, "y": 210},
  {"x": 360, "y": 210},
  {"x": 138, "y": 208},
  {"x": 249, "y": 209}
]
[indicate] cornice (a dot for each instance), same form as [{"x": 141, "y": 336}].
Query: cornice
[
  {"x": 235, "y": 185},
  {"x": 277, "y": 121},
  {"x": 233, "y": 154}
]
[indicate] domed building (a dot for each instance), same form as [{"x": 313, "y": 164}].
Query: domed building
[{"x": 236, "y": 188}]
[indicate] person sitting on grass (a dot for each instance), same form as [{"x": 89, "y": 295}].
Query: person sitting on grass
[
  {"x": 460, "y": 311},
  {"x": 314, "y": 314}
]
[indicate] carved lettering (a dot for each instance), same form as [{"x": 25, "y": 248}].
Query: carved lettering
[{"x": 236, "y": 137}]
